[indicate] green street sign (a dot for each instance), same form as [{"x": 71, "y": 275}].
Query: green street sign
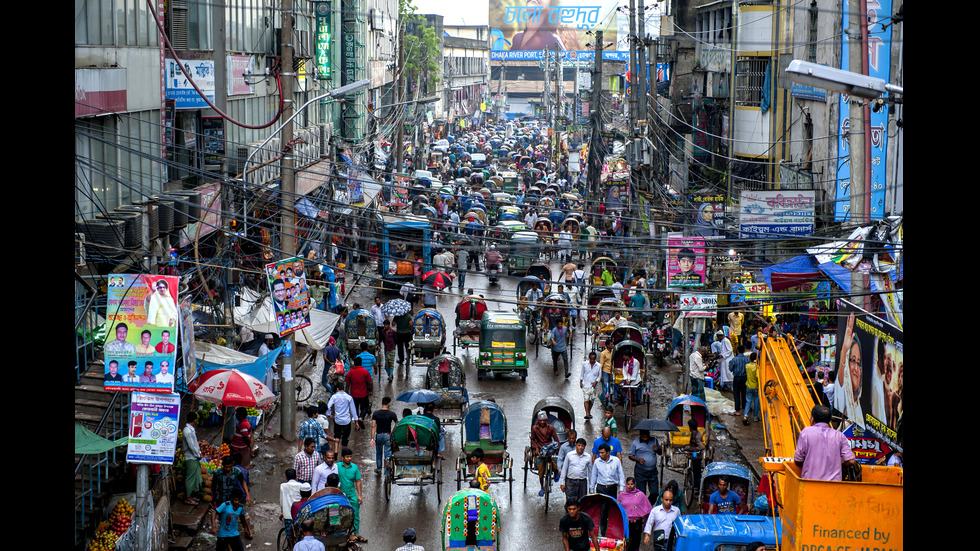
[{"x": 322, "y": 44}]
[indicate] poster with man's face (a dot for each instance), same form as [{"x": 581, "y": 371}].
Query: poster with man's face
[
  {"x": 290, "y": 295},
  {"x": 141, "y": 344},
  {"x": 869, "y": 382},
  {"x": 685, "y": 262}
]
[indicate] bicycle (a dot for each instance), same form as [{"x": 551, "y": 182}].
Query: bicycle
[
  {"x": 629, "y": 405},
  {"x": 301, "y": 383}
]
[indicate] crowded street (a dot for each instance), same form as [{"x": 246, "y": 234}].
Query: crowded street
[{"x": 360, "y": 275}]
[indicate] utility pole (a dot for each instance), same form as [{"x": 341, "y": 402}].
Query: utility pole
[
  {"x": 556, "y": 112},
  {"x": 287, "y": 219},
  {"x": 547, "y": 82},
  {"x": 857, "y": 53},
  {"x": 631, "y": 86},
  {"x": 641, "y": 92},
  {"x": 399, "y": 98}
]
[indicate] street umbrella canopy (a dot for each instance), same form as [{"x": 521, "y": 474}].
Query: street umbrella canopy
[
  {"x": 437, "y": 280},
  {"x": 418, "y": 396},
  {"x": 656, "y": 425},
  {"x": 396, "y": 307},
  {"x": 232, "y": 388}
]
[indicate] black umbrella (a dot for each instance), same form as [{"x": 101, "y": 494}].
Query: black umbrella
[{"x": 656, "y": 425}]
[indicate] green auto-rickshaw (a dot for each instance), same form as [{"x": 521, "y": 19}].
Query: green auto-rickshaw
[{"x": 502, "y": 348}]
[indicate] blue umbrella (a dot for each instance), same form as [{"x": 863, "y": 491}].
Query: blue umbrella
[
  {"x": 396, "y": 307},
  {"x": 418, "y": 396}
]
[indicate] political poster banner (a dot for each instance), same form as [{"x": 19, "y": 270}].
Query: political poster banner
[
  {"x": 140, "y": 348},
  {"x": 187, "y": 341},
  {"x": 686, "y": 264},
  {"x": 519, "y": 27},
  {"x": 869, "y": 383},
  {"x": 153, "y": 422},
  {"x": 290, "y": 295}
]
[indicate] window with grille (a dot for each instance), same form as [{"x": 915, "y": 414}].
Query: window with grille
[
  {"x": 749, "y": 77},
  {"x": 812, "y": 24}
]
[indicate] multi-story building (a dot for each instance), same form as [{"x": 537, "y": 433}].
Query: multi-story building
[{"x": 466, "y": 71}]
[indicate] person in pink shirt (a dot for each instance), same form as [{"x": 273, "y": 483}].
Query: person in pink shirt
[
  {"x": 637, "y": 506},
  {"x": 820, "y": 450}
]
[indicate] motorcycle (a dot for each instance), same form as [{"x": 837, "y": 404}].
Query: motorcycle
[{"x": 493, "y": 271}]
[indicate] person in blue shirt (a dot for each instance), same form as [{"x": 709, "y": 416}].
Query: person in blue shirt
[
  {"x": 367, "y": 359},
  {"x": 559, "y": 346},
  {"x": 607, "y": 438},
  {"x": 226, "y": 529},
  {"x": 724, "y": 501}
]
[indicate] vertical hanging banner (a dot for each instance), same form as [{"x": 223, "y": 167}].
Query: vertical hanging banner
[
  {"x": 153, "y": 429},
  {"x": 322, "y": 51},
  {"x": 879, "y": 65},
  {"x": 187, "y": 340},
  {"x": 686, "y": 266},
  {"x": 140, "y": 348},
  {"x": 290, "y": 295}
]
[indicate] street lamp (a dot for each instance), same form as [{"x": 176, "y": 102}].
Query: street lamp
[{"x": 839, "y": 80}]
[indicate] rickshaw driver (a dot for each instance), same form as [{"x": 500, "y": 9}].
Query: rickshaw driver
[
  {"x": 632, "y": 376},
  {"x": 542, "y": 434}
]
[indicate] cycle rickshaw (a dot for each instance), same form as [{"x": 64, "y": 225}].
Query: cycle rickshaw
[
  {"x": 361, "y": 328},
  {"x": 470, "y": 521},
  {"x": 617, "y": 522},
  {"x": 556, "y": 308},
  {"x": 428, "y": 334},
  {"x": 739, "y": 481},
  {"x": 469, "y": 313},
  {"x": 530, "y": 310},
  {"x": 333, "y": 522},
  {"x": 414, "y": 457},
  {"x": 675, "y": 457},
  {"x": 484, "y": 426},
  {"x": 445, "y": 376},
  {"x": 628, "y": 395},
  {"x": 561, "y": 416}
]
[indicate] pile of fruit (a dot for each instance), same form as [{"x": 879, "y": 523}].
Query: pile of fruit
[{"x": 108, "y": 532}]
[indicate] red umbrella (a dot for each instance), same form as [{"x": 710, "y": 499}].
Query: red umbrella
[
  {"x": 232, "y": 388},
  {"x": 436, "y": 279}
]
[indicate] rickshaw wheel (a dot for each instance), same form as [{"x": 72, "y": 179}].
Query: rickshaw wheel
[
  {"x": 526, "y": 467},
  {"x": 388, "y": 478},
  {"x": 663, "y": 465},
  {"x": 282, "y": 541},
  {"x": 459, "y": 475},
  {"x": 689, "y": 488},
  {"x": 548, "y": 476}
]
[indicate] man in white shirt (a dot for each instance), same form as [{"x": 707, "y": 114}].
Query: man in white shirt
[
  {"x": 697, "y": 372},
  {"x": 587, "y": 381},
  {"x": 578, "y": 276},
  {"x": 323, "y": 470},
  {"x": 617, "y": 289},
  {"x": 575, "y": 469},
  {"x": 344, "y": 413},
  {"x": 289, "y": 494},
  {"x": 726, "y": 356},
  {"x": 376, "y": 313},
  {"x": 607, "y": 477},
  {"x": 661, "y": 519},
  {"x": 165, "y": 376}
]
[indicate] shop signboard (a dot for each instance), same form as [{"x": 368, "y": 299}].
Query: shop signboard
[
  {"x": 178, "y": 75},
  {"x": 776, "y": 214},
  {"x": 699, "y": 306},
  {"x": 867, "y": 449},
  {"x": 686, "y": 265},
  {"x": 749, "y": 292},
  {"x": 322, "y": 51},
  {"x": 870, "y": 377},
  {"x": 140, "y": 348},
  {"x": 290, "y": 295},
  {"x": 153, "y": 428}
]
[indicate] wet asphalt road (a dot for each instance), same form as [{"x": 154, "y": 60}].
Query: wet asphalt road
[{"x": 525, "y": 525}]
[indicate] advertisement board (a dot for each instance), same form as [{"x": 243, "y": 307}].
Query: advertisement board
[
  {"x": 524, "y": 29},
  {"x": 699, "y": 306},
  {"x": 187, "y": 340},
  {"x": 140, "y": 348},
  {"x": 321, "y": 11},
  {"x": 869, "y": 383},
  {"x": 685, "y": 262},
  {"x": 776, "y": 214},
  {"x": 290, "y": 295},
  {"x": 179, "y": 87},
  {"x": 153, "y": 428}
]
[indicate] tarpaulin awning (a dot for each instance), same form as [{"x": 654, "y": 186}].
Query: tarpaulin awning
[
  {"x": 259, "y": 315},
  {"x": 87, "y": 441},
  {"x": 310, "y": 179},
  {"x": 211, "y": 356}
]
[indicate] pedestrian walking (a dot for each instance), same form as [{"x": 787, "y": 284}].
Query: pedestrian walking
[
  {"x": 697, "y": 372},
  {"x": 577, "y": 529},
  {"x": 752, "y": 390},
  {"x": 241, "y": 441},
  {"x": 306, "y": 461},
  {"x": 661, "y": 521},
  {"x": 737, "y": 367},
  {"x": 309, "y": 542},
  {"x": 607, "y": 477},
  {"x": 350, "y": 485},
  {"x": 311, "y": 428},
  {"x": 225, "y": 525},
  {"x": 288, "y": 494},
  {"x": 390, "y": 339},
  {"x": 588, "y": 381},
  {"x": 367, "y": 358},
  {"x": 643, "y": 452},
  {"x": 403, "y": 331},
  {"x": 409, "y": 537},
  {"x": 382, "y": 422},
  {"x": 344, "y": 413},
  {"x": 575, "y": 469},
  {"x": 637, "y": 507},
  {"x": 360, "y": 386},
  {"x": 323, "y": 471},
  {"x": 559, "y": 347}
]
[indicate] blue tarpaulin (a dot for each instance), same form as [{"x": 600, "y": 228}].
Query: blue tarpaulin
[
  {"x": 807, "y": 264},
  {"x": 255, "y": 368}
]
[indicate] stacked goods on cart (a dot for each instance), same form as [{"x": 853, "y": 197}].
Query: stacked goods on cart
[{"x": 107, "y": 533}]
